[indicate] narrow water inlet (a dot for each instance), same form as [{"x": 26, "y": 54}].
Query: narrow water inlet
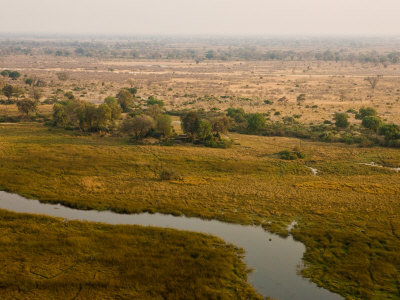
[
  {"x": 373, "y": 164},
  {"x": 274, "y": 260}
]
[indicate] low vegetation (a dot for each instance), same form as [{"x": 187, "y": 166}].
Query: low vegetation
[
  {"x": 347, "y": 215},
  {"x": 371, "y": 132},
  {"x": 48, "y": 258}
]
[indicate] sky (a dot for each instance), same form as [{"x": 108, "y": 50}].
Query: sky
[{"x": 211, "y": 17}]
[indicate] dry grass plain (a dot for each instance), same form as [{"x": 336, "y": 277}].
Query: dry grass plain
[{"x": 328, "y": 86}]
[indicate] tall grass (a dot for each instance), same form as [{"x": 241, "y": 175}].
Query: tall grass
[{"x": 48, "y": 258}]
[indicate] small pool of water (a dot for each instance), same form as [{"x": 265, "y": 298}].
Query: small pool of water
[{"x": 275, "y": 260}]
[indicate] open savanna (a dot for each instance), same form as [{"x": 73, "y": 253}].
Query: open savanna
[
  {"x": 217, "y": 85},
  {"x": 49, "y": 258},
  {"x": 348, "y": 214}
]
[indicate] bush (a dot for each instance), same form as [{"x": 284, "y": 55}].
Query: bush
[
  {"x": 341, "y": 120},
  {"x": 365, "y": 112},
  {"x": 291, "y": 155},
  {"x": 256, "y": 122},
  {"x": 222, "y": 143},
  {"x": 371, "y": 122},
  {"x": 154, "y": 101},
  {"x": 169, "y": 174},
  {"x": 390, "y": 131}
]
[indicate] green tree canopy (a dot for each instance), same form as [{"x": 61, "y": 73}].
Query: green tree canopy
[
  {"x": 341, "y": 120},
  {"x": 365, "y": 112},
  {"x": 190, "y": 123},
  {"x": 27, "y": 106},
  {"x": 164, "y": 125},
  {"x": 371, "y": 122},
  {"x": 255, "y": 122},
  {"x": 125, "y": 99}
]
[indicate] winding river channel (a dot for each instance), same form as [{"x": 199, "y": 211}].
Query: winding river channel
[{"x": 275, "y": 260}]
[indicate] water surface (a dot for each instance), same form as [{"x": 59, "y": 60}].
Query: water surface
[{"x": 275, "y": 260}]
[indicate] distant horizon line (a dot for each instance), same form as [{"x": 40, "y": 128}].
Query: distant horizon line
[{"x": 196, "y": 35}]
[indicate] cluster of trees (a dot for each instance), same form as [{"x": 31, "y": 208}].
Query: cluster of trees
[
  {"x": 14, "y": 75},
  {"x": 221, "y": 50},
  {"x": 86, "y": 116},
  {"x": 25, "y": 106},
  {"x": 208, "y": 131},
  {"x": 152, "y": 121},
  {"x": 242, "y": 53},
  {"x": 371, "y": 132},
  {"x": 244, "y": 122},
  {"x": 11, "y": 91}
]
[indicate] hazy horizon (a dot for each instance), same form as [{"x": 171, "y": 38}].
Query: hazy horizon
[{"x": 209, "y": 18}]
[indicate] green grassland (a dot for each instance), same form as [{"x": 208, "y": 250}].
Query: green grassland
[
  {"x": 348, "y": 215},
  {"x": 48, "y": 258}
]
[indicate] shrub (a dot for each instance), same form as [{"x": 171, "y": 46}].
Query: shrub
[
  {"x": 390, "y": 131},
  {"x": 222, "y": 143},
  {"x": 154, "y": 101},
  {"x": 169, "y": 174},
  {"x": 291, "y": 155},
  {"x": 341, "y": 120},
  {"x": 371, "y": 122},
  {"x": 365, "y": 112},
  {"x": 256, "y": 122}
]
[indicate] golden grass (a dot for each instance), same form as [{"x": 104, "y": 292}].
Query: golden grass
[
  {"x": 48, "y": 258},
  {"x": 348, "y": 214}
]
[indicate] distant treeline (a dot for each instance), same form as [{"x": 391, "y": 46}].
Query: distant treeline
[{"x": 198, "y": 52}]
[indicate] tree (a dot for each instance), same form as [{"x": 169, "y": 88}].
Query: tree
[
  {"x": 164, "y": 125},
  {"x": 153, "y": 111},
  {"x": 373, "y": 81},
  {"x": 124, "y": 99},
  {"x": 28, "y": 81},
  {"x": 60, "y": 117},
  {"x": 36, "y": 94},
  {"x": 371, "y": 122},
  {"x": 8, "y": 91},
  {"x": 115, "y": 108},
  {"x": 18, "y": 92},
  {"x": 87, "y": 116},
  {"x": 341, "y": 120},
  {"x": 220, "y": 125},
  {"x": 237, "y": 114},
  {"x": 5, "y": 73},
  {"x": 140, "y": 125},
  {"x": 27, "y": 106},
  {"x": 153, "y": 101},
  {"x": 132, "y": 90},
  {"x": 103, "y": 116},
  {"x": 210, "y": 54},
  {"x": 255, "y": 122},
  {"x": 190, "y": 123},
  {"x": 14, "y": 75},
  {"x": 390, "y": 131},
  {"x": 204, "y": 130},
  {"x": 365, "y": 112},
  {"x": 69, "y": 113}
]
